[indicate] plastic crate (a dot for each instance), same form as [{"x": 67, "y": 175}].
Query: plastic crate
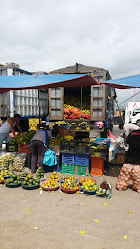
[
  {"x": 98, "y": 154},
  {"x": 82, "y": 170},
  {"x": 81, "y": 159},
  {"x": 97, "y": 166},
  {"x": 24, "y": 148},
  {"x": 12, "y": 147},
  {"x": 68, "y": 168},
  {"x": 103, "y": 140},
  {"x": 67, "y": 158}
]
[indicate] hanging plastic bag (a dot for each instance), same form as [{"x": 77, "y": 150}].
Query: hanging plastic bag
[
  {"x": 111, "y": 136},
  {"x": 50, "y": 158}
]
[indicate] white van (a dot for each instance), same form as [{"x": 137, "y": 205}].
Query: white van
[{"x": 135, "y": 116}]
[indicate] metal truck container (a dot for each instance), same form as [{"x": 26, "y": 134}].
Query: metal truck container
[
  {"x": 100, "y": 97},
  {"x": 29, "y": 102}
]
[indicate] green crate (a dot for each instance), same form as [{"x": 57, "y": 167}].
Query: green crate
[
  {"x": 81, "y": 170},
  {"x": 68, "y": 168}
]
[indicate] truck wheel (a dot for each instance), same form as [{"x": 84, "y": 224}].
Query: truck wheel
[{"x": 138, "y": 122}]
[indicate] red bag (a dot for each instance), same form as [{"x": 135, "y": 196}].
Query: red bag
[{"x": 110, "y": 135}]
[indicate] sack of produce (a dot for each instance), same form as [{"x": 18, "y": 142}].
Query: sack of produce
[
  {"x": 6, "y": 159},
  {"x": 19, "y": 163},
  {"x": 136, "y": 177},
  {"x": 129, "y": 172},
  {"x": 124, "y": 177}
]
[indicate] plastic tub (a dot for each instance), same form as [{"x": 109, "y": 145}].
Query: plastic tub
[
  {"x": 89, "y": 192},
  {"x": 69, "y": 191}
]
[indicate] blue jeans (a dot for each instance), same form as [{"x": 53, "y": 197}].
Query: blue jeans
[{"x": 4, "y": 136}]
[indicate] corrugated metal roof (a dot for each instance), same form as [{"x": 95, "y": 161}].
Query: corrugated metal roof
[{"x": 79, "y": 68}]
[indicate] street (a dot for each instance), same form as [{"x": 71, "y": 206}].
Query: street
[
  {"x": 67, "y": 221},
  {"x": 116, "y": 131}
]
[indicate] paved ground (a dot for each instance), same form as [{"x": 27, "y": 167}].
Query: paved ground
[
  {"x": 116, "y": 131},
  {"x": 61, "y": 217}
]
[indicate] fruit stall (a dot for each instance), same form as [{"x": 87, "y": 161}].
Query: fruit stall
[
  {"x": 81, "y": 160},
  {"x": 82, "y": 156},
  {"x": 76, "y": 155}
]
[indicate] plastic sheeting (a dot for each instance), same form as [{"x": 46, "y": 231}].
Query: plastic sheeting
[
  {"x": 8, "y": 83},
  {"x": 125, "y": 83},
  {"x": 17, "y": 82}
]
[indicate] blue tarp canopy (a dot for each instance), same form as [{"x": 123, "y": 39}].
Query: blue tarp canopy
[
  {"x": 21, "y": 82},
  {"x": 125, "y": 83},
  {"x": 17, "y": 82}
]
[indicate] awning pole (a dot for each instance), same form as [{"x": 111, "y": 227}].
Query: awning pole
[
  {"x": 81, "y": 99},
  {"x": 39, "y": 104}
]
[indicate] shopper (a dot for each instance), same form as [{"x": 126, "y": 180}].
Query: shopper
[
  {"x": 39, "y": 144},
  {"x": 7, "y": 127},
  {"x": 109, "y": 121},
  {"x": 128, "y": 128}
]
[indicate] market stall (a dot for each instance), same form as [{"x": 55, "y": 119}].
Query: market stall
[{"x": 78, "y": 156}]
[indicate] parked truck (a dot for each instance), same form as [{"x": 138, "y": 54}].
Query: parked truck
[
  {"x": 96, "y": 100},
  {"x": 28, "y": 103},
  {"x": 132, "y": 113}
]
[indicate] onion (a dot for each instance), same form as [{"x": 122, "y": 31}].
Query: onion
[{"x": 129, "y": 172}]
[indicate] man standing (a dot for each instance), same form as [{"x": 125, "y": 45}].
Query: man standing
[{"x": 7, "y": 127}]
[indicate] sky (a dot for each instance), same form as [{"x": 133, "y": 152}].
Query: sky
[{"x": 50, "y": 34}]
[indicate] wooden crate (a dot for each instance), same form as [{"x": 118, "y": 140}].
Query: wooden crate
[
  {"x": 121, "y": 157},
  {"x": 24, "y": 148}
]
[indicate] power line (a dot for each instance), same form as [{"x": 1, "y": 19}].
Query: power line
[{"x": 130, "y": 98}]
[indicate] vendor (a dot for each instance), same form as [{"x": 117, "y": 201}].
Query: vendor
[
  {"x": 128, "y": 128},
  {"x": 39, "y": 143},
  {"x": 7, "y": 127}
]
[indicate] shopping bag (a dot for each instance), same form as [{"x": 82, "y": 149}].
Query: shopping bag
[{"x": 50, "y": 158}]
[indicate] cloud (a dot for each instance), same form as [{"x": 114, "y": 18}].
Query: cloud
[{"x": 47, "y": 35}]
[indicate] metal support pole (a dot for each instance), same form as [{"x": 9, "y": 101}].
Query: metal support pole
[
  {"x": 39, "y": 104},
  {"x": 81, "y": 99}
]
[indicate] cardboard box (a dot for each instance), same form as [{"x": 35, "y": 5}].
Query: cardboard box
[{"x": 65, "y": 132}]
